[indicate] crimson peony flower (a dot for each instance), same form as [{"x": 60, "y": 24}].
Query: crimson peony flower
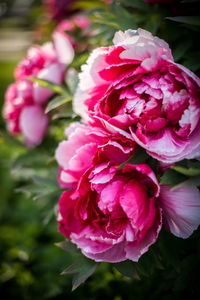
[
  {"x": 115, "y": 214},
  {"x": 136, "y": 86}
]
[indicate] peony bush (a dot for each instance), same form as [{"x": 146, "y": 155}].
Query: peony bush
[{"x": 125, "y": 132}]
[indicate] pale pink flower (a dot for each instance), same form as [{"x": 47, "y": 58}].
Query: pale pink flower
[{"x": 136, "y": 87}]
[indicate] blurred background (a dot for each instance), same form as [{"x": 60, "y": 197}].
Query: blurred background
[{"x": 30, "y": 263}]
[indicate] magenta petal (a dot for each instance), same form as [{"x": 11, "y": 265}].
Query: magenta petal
[
  {"x": 181, "y": 209},
  {"x": 134, "y": 251}
]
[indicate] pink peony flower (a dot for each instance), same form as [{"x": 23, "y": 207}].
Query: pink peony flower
[
  {"x": 87, "y": 146},
  {"x": 136, "y": 86},
  {"x": 18, "y": 96},
  {"x": 115, "y": 214},
  {"x": 22, "y": 115},
  {"x": 24, "y": 100},
  {"x": 46, "y": 62}
]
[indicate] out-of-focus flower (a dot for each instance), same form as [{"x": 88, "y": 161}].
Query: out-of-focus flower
[
  {"x": 24, "y": 100},
  {"x": 136, "y": 86},
  {"x": 46, "y": 62},
  {"x": 22, "y": 115},
  {"x": 58, "y": 9}
]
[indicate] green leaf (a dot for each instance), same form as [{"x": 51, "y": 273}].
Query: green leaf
[
  {"x": 72, "y": 80},
  {"x": 56, "y": 102},
  {"x": 169, "y": 248},
  {"x": 172, "y": 178},
  {"x": 192, "y": 61},
  {"x": 139, "y": 157},
  {"x": 42, "y": 181},
  {"x": 28, "y": 163},
  {"x": 153, "y": 23},
  {"x": 68, "y": 246},
  {"x": 187, "y": 172},
  {"x": 180, "y": 49},
  {"x": 83, "y": 269},
  {"x": 123, "y": 18},
  {"x": 127, "y": 269},
  {"x": 47, "y": 194},
  {"x": 106, "y": 19},
  {"x": 88, "y": 4},
  {"x": 10, "y": 140},
  {"x": 79, "y": 60},
  {"x": 136, "y": 4},
  {"x": 191, "y": 20},
  {"x": 49, "y": 85},
  {"x": 148, "y": 263}
]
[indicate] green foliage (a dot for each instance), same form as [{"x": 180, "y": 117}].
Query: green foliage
[
  {"x": 127, "y": 269},
  {"x": 82, "y": 268},
  {"x": 56, "y": 102},
  {"x": 191, "y": 20},
  {"x": 140, "y": 156},
  {"x": 49, "y": 85}
]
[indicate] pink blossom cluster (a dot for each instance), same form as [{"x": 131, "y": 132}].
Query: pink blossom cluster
[
  {"x": 130, "y": 95},
  {"x": 24, "y": 100}
]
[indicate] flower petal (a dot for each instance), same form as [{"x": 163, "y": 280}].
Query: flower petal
[
  {"x": 33, "y": 124},
  {"x": 181, "y": 209}
]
